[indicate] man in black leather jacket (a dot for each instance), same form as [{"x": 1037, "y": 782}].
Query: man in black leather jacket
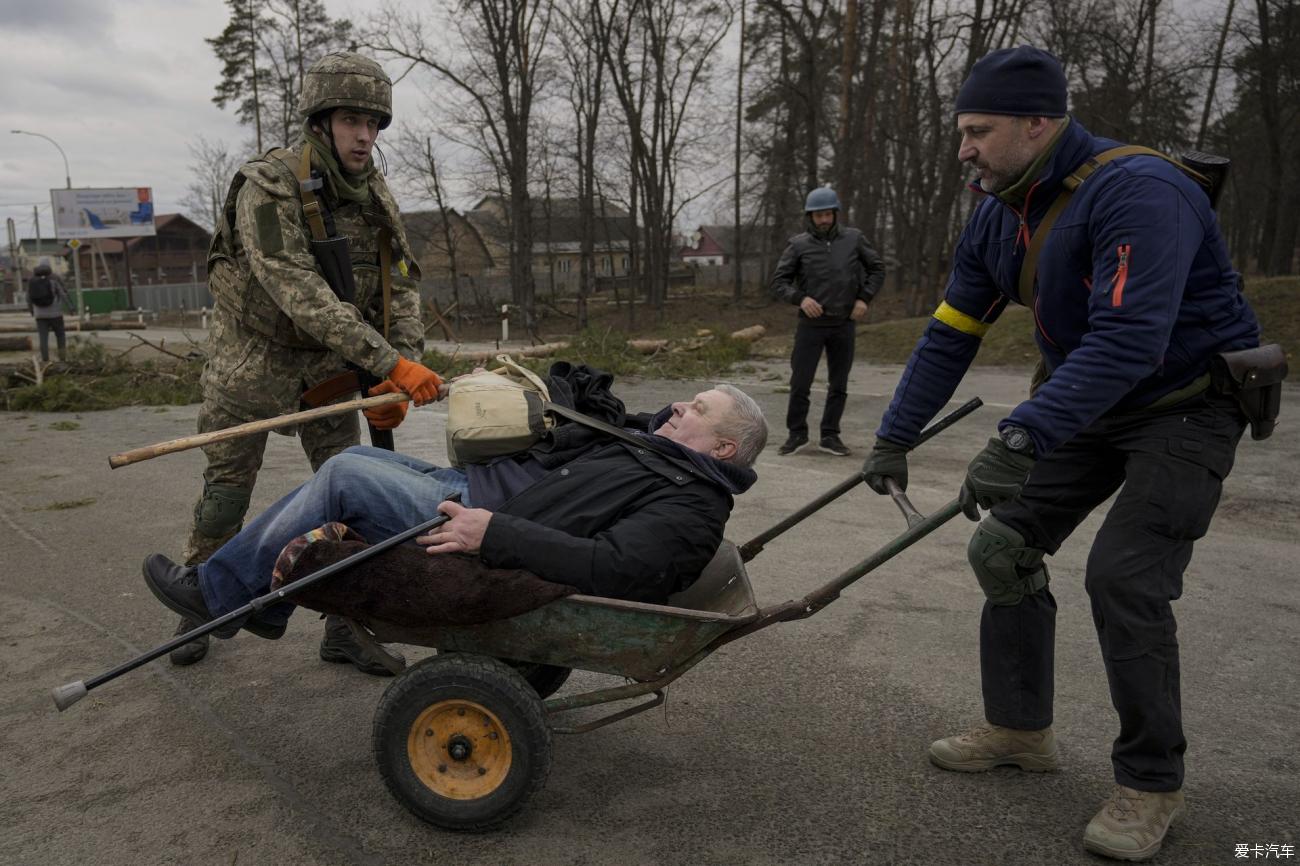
[{"x": 831, "y": 273}]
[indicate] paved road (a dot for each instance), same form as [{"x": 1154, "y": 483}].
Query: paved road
[{"x": 801, "y": 744}]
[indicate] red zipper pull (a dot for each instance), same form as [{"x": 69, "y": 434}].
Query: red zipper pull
[{"x": 1121, "y": 275}]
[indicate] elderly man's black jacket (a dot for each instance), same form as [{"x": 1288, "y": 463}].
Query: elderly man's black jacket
[{"x": 613, "y": 519}]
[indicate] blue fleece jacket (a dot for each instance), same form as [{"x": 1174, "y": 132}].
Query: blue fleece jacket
[{"x": 1135, "y": 294}]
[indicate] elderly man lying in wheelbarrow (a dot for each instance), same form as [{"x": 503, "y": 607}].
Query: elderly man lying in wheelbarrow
[{"x": 634, "y": 519}]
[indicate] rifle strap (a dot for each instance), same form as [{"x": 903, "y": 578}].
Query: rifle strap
[
  {"x": 312, "y": 210},
  {"x": 1029, "y": 267},
  {"x": 308, "y": 185},
  {"x": 385, "y": 239}
]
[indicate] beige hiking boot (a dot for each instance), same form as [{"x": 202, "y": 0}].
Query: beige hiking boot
[
  {"x": 990, "y": 746},
  {"x": 1132, "y": 824}
]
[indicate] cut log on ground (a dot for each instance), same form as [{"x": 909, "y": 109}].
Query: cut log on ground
[
  {"x": 15, "y": 344},
  {"x": 542, "y": 350},
  {"x": 750, "y": 334},
  {"x": 647, "y": 347}
]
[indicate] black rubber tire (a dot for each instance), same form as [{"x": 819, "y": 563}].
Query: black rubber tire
[
  {"x": 546, "y": 680},
  {"x": 494, "y": 686}
]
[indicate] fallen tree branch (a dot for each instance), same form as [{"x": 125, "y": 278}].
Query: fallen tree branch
[{"x": 158, "y": 347}]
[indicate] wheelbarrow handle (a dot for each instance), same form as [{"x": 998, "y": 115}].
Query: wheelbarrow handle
[
  {"x": 754, "y": 546},
  {"x": 910, "y": 514},
  {"x": 68, "y": 694}
]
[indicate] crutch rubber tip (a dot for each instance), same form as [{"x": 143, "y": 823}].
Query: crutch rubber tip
[{"x": 67, "y": 695}]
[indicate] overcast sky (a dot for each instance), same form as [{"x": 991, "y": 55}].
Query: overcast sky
[{"x": 123, "y": 86}]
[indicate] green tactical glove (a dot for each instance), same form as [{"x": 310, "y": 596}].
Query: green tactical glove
[
  {"x": 886, "y": 460},
  {"x": 995, "y": 475}
]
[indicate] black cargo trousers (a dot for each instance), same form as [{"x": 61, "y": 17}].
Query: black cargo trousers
[
  {"x": 1168, "y": 465},
  {"x": 811, "y": 337}
]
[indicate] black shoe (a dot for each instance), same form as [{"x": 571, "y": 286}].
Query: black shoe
[
  {"x": 793, "y": 444},
  {"x": 194, "y": 651},
  {"x": 832, "y": 445},
  {"x": 177, "y": 586},
  {"x": 340, "y": 646}
]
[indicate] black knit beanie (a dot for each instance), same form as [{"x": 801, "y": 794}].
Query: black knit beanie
[{"x": 1024, "y": 81}]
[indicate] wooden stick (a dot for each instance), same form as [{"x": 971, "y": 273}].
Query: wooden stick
[{"x": 185, "y": 443}]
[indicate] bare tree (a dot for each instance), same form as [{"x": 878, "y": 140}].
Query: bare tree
[
  {"x": 585, "y": 79},
  {"x": 212, "y": 168},
  {"x": 736, "y": 245},
  {"x": 659, "y": 54},
  {"x": 265, "y": 49},
  {"x": 499, "y": 52}
]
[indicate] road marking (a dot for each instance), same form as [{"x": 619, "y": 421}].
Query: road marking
[{"x": 9, "y": 505}]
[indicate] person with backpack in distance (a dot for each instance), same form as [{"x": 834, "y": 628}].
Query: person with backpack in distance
[{"x": 46, "y": 301}]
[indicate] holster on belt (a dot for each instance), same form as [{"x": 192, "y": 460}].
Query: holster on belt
[
  {"x": 1254, "y": 378},
  {"x": 331, "y": 389}
]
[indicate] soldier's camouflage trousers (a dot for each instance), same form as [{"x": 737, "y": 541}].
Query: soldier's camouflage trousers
[{"x": 232, "y": 472}]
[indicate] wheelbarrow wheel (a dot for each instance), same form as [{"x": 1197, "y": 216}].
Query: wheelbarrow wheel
[
  {"x": 462, "y": 741},
  {"x": 546, "y": 680}
]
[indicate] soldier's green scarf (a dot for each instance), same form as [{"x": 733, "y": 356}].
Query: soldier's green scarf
[{"x": 348, "y": 186}]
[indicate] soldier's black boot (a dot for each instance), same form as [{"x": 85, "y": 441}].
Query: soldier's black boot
[
  {"x": 339, "y": 645},
  {"x": 194, "y": 651}
]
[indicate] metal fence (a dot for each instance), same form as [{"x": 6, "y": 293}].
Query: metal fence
[{"x": 176, "y": 296}]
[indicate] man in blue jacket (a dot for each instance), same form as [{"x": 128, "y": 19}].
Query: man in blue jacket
[
  {"x": 1135, "y": 293},
  {"x": 831, "y": 274}
]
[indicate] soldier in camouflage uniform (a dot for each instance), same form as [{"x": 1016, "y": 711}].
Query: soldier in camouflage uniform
[{"x": 279, "y": 329}]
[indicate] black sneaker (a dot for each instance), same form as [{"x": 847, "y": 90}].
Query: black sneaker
[
  {"x": 832, "y": 445},
  {"x": 192, "y": 652},
  {"x": 793, "y": 444},
  {"x": 340, "y": 646}
]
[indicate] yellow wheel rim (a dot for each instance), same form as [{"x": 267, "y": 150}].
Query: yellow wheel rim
[{"x": 459, "y": 749}]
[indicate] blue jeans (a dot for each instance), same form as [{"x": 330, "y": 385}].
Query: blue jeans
[{"x": 378, "y": 493}]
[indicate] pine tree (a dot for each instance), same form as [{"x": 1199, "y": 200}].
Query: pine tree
[{"x": 265, "y": 49}]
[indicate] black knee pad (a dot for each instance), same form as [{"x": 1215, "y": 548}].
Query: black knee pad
[
  {"x": 221, "y": 509},
  {"x": 1006, "y": 568}
]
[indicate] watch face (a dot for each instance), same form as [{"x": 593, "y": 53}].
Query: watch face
[{"x": 1017, "y": 439}]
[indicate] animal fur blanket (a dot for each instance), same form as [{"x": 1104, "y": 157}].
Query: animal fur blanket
[{"x": 405, "y": 586}]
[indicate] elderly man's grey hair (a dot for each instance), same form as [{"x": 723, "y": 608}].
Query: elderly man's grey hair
[{"x": 745, "y": 424}]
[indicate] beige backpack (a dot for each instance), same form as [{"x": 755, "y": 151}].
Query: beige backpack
[{"x": 496, "y": 412}]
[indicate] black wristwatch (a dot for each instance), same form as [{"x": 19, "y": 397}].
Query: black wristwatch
[{"x": 1017, "y": 439}]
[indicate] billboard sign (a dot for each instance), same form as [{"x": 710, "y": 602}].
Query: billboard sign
[{"x": 125, "y": 212}]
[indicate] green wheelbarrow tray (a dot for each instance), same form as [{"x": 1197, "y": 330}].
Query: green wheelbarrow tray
[{"x": 626, "y": 638}]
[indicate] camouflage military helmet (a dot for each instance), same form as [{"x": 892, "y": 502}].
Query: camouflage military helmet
[{"x": 347, "y": 80}]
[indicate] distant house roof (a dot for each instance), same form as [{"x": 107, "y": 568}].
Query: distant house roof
[
  {"x": 424, "y": 229},
  {"x": 164, "y": 224},
  {"x": 555, "y": 223}
]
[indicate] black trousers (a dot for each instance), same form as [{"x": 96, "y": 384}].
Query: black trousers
[
  {"x": 1168, "y": 466},
  {"x": 43, "y": 328},
  {"x": 809, "y": 340}
]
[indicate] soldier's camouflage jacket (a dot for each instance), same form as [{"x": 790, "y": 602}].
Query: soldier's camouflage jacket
[{"x": 278, "y": 328}]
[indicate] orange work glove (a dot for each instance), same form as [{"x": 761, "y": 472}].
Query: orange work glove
[
  {"x": 417, "y": 380},
  {"x": 389, "y": 416}
]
